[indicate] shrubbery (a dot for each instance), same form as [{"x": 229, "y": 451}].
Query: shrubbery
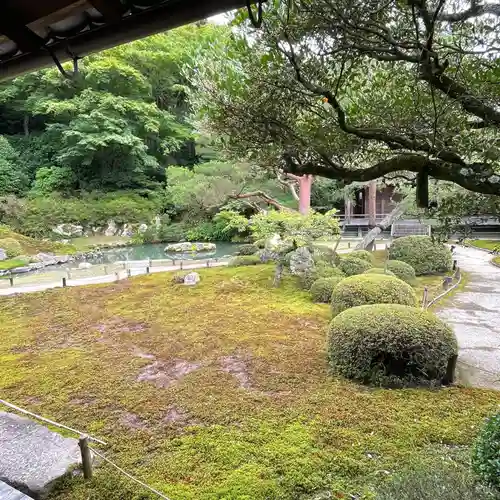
[
  {"x": 390, "y": 344},
  {"x": 361, "y": 254},
  {"x": 325, "y": 254},
  {"x": 379, "y": 270},
  {"x": 486, "y": 452},
  {"x": 402, "y": 270},
  {"x": 247, "y": 249},
  {"x": 245, "y": 260},
  {"x": 320, "y": 270},
  {"x": 11, "y": 246},
  {"x": 422, "y": 253},
  {"x": 322, "y": 288},
  {"x": 371, "y": 289},
  {"x": 352, "y": 265}
]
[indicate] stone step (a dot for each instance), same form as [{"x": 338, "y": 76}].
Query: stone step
[{"x": 9, "y": 493}]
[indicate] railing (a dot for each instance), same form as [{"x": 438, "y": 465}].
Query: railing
[{"x": 432, "y": 295}]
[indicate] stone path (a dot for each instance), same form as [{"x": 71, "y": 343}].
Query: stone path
[
  {"x": 9, "y": 493},
  {"x": 474, "y": 314},
  {"x": 32, "y": 456}
]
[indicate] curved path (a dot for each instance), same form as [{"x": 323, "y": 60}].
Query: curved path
[{"x": 474, "y": 314}]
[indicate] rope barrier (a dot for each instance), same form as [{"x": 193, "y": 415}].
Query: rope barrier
[
  {"x": 51, "y": 422},
  {"x": 138, "y": 481}
]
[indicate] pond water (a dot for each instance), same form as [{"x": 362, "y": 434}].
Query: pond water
[{"x": 156, "y": 251}]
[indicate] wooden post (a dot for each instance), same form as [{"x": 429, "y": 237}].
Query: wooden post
[
  {"x": 208, "y": 263},
  {"x": 64, "y": 281},
  {"x": 105, "y": 269},
  {"x": 454, "y": 265},
  {"x": 124, "y": 265},
  {"x": 348, "y": 244},
  {"x": 11, "y": 280},
  {"x": 424, "y": 299},
  {"x": 450, "y": 370},
  {"x": 86, "y": 457},
  {"x": 173, "y": 262},
  {"x": 150, "y": 263},
  {"x": 117, "y": 276},
  {"x": 147, "y": 270},
  {"x": 181, "y": 265},
  {"x": 129, "y": 272}
]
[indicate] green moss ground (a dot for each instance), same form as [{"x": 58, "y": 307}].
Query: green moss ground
[
  {"x": 32, "y": 246},
  {"x": 259, "y": 418},
  {"x": 487, "y": 244}
]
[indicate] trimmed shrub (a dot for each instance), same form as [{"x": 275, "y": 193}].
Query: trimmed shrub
[
  {"x": 322, "y": 288},
  {"x": 12, "y": 247},
  {"x": 245, "y": 260},
  {"x": 379, "y": 270},
  {"x": 390, "y": 344},
  {"x": 320, "y": 270},
  {"x": 361, "y": 254},
  {"x": 402, "y": 270},
  {"x": 247, "y": 249},
  {"x": 326, "y": 254},
  {"x": 486, "y": 452},
  {"x": 352, "y": 265},
  {"x": 371, "y": 289},
  {"x": 422, "y": 253}
]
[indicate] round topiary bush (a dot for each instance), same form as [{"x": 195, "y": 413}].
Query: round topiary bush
[
  {"x": 422, "y": 253},
  {"x": 390, "y": 344},
  {"x": 326, "y": 254},
  {"x": 245, "y": 260},
  {"x": 11, "y": 246},
  {"x": 371, "y": 289},
  {"x": 379, "y": 270},
  {"x": 321, "y": 289},
  {"x": 320, "y": 270},
  {"x": 352, "y": 265},
  {"x": 486, "y": 452},
  {"x": 361, "y": 254},
  {"x": 248, "y": 249},
  {"x": 402, "y": 270}
]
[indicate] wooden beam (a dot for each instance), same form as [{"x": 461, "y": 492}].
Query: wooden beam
[
  {"x": 12, "y": 26},
  {"x": 112, "y": 10}
]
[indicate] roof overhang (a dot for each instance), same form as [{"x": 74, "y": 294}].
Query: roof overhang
[{"x": 34, "y": 32}]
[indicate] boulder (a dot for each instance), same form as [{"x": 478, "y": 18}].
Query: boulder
[
  {"x": 36, "y": 265},
  {"x": 301, "y": 261},
  {"x": 96, "y": 229},
  {"x": 84, "y": 265},
  {"x": 127, "y": 230},
  {"x": 68, "y": 230},
  {"x": 48, "y": 259},
  {"x": 21, "y": 270},
  {"x": 188, "y": 246},
  {"x": 191, "y": 279},
  {"x": 111, "y": 229},
  {"x": 3, "y": 254},
  {"x": 142, "y": 228}
]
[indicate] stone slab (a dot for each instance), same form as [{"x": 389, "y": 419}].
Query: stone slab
[{"x": 32, "y": 457}]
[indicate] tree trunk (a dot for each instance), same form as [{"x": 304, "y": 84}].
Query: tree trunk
[
  {"x": 396, "y": 214},
  {"x": 372, "y": 203}
]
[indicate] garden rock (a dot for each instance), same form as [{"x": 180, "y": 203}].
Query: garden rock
[
  {"x": 127, "y": 230},
  {"x": 142, "y": 228},
  {"x": 3, "y": 254},
  {"x": 33, "y": 457},
  {"x": 68, "y": 230},
  {"x": 111, "y": 229},
  {"x": 20, "y": 270},
  {"x": 47, "y": 259},
  {"x": 301, "y": 261},
  {"x": 188, "y": 246},
  {"x": 84, "y": 265},
  {"x": 191, "y": 279}
]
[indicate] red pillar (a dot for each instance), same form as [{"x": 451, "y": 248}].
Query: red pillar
[{"x": 305, "y": 185}]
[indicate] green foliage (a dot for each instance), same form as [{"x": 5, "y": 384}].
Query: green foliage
[
  {"x": 245, "y": 260},
  {"x": 13, "y": 179},
  {"x": 402, "y": 270},
  {"x": 390, "y": 344},
  {"x": 51, "y": 179},
  {"x": 5, "y": 265},
  {"x": 486, "y": 452},
  {"x": 435, "y": 481},
  {"x": 371, "y": 289},
  {"x": 379, "y": 270},
  {"x": 352, "y": 265},
  {"x": 248, "y": 249},
  {"x": 173, "y": 233},
  {"x": 11, "y": 246},
  {"x": 322, "y": 288},
  {"x": 422, "y": 253},
  {"x": 325, "y": 254},
  {"x": 361, "y": 254},
  {"x": 320, "y": 270},
  {"x": 214, "y": 230}
]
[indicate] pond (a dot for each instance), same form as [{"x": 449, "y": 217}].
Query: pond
[{"x": 156, "y": 251}]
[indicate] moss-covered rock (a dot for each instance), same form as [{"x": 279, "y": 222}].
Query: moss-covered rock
[
  {"x": 11, "y": 246},
  {"x": 353, "y": 265},
  {"x": 320, "y": 270},
  {"x": 422, "y": 253},
  {"x": 402, "y": 270},
  {"x": 245, "y": 260},
  {"x": 322, "y": 288},
  {"x": 379, "y": 270},
  {"x": 247, "y": 249},
  {"x": 390, "y": 344},
  {"x": 371, "y": 289},
  {"x": 361, "y": 254}
]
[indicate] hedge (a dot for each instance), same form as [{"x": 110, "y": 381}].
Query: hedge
[
  {"x": 245, "y": 260},
  {"x": 422, "y": 253},
  {"x": 320, "y": 270},
  {"x": 352, "y": 265},
  {"x": 361, "y": 254},
  {"x": 321, "y": 289},
  {"x": 402, "y": 270},
  {"x": 379, "y": 270},
  {"x": 390, "y": 345},
  {"x": 12, "y": 247},
  {"x": 486, "y": 452},
  {"x": 371, "y": 289}
]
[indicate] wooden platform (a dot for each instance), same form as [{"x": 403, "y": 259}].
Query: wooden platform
[{"x": 9, "y": 493}]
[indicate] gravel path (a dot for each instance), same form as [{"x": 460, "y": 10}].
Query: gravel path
[{"x": 474, "y": 314}]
